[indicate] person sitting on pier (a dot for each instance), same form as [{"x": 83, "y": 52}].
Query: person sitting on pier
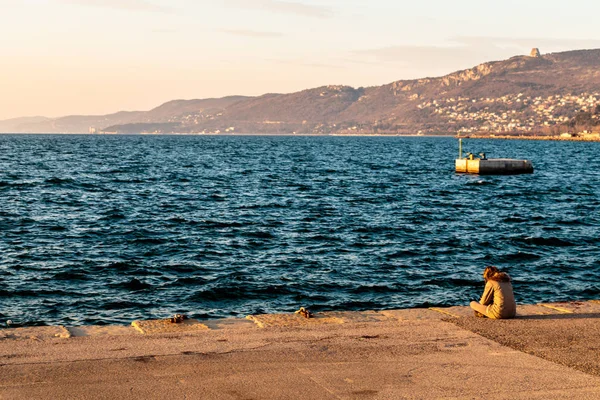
[{"x": 498, "y": 300}]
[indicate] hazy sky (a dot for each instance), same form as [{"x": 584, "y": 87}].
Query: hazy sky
[{"x": 64, "y": 57}]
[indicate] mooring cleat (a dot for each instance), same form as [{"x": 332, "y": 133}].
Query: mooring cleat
[
  {"x": 177, "y": 319},
  {"x": 304, "y": 312}
]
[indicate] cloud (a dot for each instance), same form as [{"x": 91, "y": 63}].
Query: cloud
[
  {"x": 286, "y": 7},
  {"x": 134, "y": 5},
  {"x": 253, "y": 34},
  {"x": 302, "y": 63},
  {"x": 165, "y": 31}
]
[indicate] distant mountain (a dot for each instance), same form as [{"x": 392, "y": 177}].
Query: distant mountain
[
  {"x": 171, "y": 113},
  {"x": 519, "y": 95},
  {"x": 78, "y": 123},
  {"x": 14, "y": 124},
  {"x": 171, "y": 110},
  {"x": 467, "y": 99}
]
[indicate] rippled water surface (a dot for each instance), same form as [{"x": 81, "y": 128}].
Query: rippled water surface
[{"x": 97, "y": 229}]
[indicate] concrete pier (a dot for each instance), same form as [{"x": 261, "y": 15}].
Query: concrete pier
[
  {"x": 547, "y": 352},
  {"x": 493, "y": 166}
]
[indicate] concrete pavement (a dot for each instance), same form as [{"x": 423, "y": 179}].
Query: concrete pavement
[{"x": 394, "y": 354}]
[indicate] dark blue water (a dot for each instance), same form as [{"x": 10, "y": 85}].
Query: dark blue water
[{"x": 97, "y": 229}]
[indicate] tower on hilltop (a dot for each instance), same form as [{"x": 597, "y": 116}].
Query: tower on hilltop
[{"x": 535, "y": 52}]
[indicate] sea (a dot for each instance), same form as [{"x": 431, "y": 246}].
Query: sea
[{"x": 108, "y": 229}]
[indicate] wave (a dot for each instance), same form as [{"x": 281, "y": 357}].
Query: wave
[
  {"x": 592, "y": 291},
  {"x": 519, "y": 256},
  {"x": 574, "y": 222},
  {"x": 113, "y": 215},
  {"x": 543, "y": 241},
  {"x": 518, "y": 220},
  {"x": 180, "y": 268},
  {"x": 263, "y": 206},
  {"x": 259, "y": 235},
  {"x": 59, "y": 181},
  {"x": 223, "y": 224},
  {"x": 364, "y": 289},
  {"x": 324, "y": 238},
  {"x": 452, "y": 282},
  {"x": 237, "y": 292},
  {"x": 34, "y": 293},
  {"x": 375, "y": 229},
  {"x": 122, "y": 305},
  {"x": 58, "y": 228},
  {"x": 179, "y": 220},
  {"x": 191, "y": 280},
  {"x": 149, "y": 240},
  {"x": 70, "y": 276},
  {"x": 403, "y": 254},
  {"x": 480, "y": 183},
  {"x": 121, "y": 266},
  {"x": 133, "y": 285},
  {"x": 8, "y": 185}
]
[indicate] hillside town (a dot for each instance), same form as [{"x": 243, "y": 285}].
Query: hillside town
[
  {"x": 517, "y": 114},
  {"x": 511, "y": 114}
]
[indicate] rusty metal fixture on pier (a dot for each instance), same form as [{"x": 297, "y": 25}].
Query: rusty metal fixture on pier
[
  {"x": 177, "y": 319},
  {"x": 304, "y": 312}
]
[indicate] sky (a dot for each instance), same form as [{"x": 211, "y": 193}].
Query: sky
[{"x": 65, "y": 57}]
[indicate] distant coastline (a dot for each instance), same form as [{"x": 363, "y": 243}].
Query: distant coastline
[
  {"x": 363, "y": 134},
  {"x": 546, "y": 94},
  {"x": 590, "y": 138}
]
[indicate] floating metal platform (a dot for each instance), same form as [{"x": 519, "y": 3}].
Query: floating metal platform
[
  {"x": 490, "y": 166},
  {"x": 493, "y": 166}
]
